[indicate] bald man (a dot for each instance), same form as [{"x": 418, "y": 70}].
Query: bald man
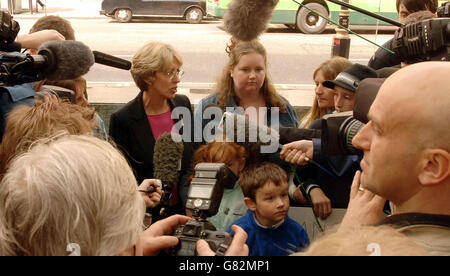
[{"x": 406, "y": 160}]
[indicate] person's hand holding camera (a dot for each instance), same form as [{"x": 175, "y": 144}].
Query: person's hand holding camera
[
  {"x": 159, "y": 236},
  {"x": 297, "y": 152},
  {"x": 236, "y": 248}
]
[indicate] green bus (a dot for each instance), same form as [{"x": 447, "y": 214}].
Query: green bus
[{"x": 293, "y": 15}]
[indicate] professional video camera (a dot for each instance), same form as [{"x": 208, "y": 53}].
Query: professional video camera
[
  {"x": 420, "y": 41},
  {"x": 204, "y": 197},
  {"x": 339, "y": 129},
  {"x": 9, "y": 29}
]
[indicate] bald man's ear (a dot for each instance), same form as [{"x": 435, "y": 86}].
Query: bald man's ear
[{"x": 435, "y": 167}]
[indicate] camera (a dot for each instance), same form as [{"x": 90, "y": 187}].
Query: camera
[
  {"x": 339, "y": 129},
  {"x": 423, "y": 41},
  {"x": 9, "y": 29},
  {"x": 204, "y": 197},
  {"x": 443, "y": 10}
]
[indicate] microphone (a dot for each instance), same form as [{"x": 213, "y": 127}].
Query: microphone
[
  {"x": 167, "y": 158},
  {"x": 292, "y": 134},
  {"x": 63, "y": 60},
  {"x": 112, "y": 61},
  {"x": 255, "y": 137},
  {"x": 247, "y": 19}
]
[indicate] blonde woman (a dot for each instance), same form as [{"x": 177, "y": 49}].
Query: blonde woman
[
  {"x": 324, "y": 98},
  {"x": 156, "y": 70},
  {"x": 245, "y": 83}
]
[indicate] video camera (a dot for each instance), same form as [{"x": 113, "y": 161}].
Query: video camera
[
  {"x": 339, "y": 129},
  {"x": 204, "y": 197},
  {"x": 9, "y": 29}
]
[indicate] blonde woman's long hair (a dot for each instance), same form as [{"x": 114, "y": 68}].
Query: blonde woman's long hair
[
  {"x": 330, "y": 69},
  {"x": 69, "y": 190},
  {"x": 225, "y": 85}
]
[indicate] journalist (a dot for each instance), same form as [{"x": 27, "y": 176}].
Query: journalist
[{"x": 406, "y": 157}]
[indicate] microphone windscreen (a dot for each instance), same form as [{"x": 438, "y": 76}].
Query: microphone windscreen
[
  {"x": 71, "y": 59},
  {"x": 247, "y": 19},
  {"x": 167, "y": 158},
  {"x": 250, "y": 134}
]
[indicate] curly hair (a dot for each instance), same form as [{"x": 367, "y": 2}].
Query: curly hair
[{"x": 225, "y": 86}]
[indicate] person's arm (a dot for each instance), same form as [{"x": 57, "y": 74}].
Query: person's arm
[{"x": 35, "y": 40}]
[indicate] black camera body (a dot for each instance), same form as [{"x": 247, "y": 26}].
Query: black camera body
[
  {"x": 339, "y": 129},
  {"x": 204, "y": 197},
  {"x": 191, "y": 232},
  {"x": 423, "y": 41},
  {"x": 9, "y": 28}
]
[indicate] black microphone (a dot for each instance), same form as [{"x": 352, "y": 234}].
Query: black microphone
[
  {"x": 247, "y": 19},
  {"x": 292, "y": 134},
  {"x": 63, "y": 60},
  {"x": 112, "y": 61},
  {"x": 167, "y": 157}
]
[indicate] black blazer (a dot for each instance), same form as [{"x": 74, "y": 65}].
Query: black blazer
[{"x": 130, "y": 130}]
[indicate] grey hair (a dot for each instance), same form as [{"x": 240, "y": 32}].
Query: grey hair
[{"x": 71, "y": 189}]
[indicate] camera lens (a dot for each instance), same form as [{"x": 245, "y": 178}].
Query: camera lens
[{"x": 349, "y": 128}]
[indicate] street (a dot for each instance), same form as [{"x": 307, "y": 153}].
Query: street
[{"x": 292, "y": 56}]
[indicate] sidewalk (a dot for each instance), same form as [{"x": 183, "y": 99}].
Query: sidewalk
[{"x": 74, "y": 9}]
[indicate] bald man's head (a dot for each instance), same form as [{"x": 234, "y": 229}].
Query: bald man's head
[{"x": 420, "y": 96}]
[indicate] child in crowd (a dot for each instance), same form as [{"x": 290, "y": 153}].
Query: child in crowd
[
  {"x": 232, "y": 206},
  {"x": 270, "y": 230},
  {"x": 331, "y": 189}
]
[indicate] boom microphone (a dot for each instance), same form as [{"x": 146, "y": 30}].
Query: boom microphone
[
  {"x": 112, "y": 61},
  {"x": 246, "y": 19},
  {"x": 167, "y": 158},
  {"x": 63, "y": 60}
]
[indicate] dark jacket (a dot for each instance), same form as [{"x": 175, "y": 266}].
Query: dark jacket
[
  {"x": 131, "y": 131},
  {"x": 382, "y": 58}
]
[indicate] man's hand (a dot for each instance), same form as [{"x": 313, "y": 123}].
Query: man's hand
[
  {"x": 322, "y": 204},
  {"x": 364, "y": 208},
  {"x": 35, "y": 40},
  {"x": 153, "y": 199},
  {"x": 159, "y": 236},
  {"x": 296, "y": 152},
  {"x": 236, "y": 248}
]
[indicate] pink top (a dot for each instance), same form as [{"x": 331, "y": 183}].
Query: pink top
[{"x": 161, "y": 123}]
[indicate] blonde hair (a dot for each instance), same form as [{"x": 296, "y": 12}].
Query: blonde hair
[
  {"x": 364, "y": 241},
  {"x": 330, "y": 69},
  {"x": 73, "y": 189},
  {"x": 225, "y": 85},
  {"x": 26, "y": 124},
  {"x": 151, "y": 58}
]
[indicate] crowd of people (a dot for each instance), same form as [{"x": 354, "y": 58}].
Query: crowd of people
[{"x": 64, "y": 180}]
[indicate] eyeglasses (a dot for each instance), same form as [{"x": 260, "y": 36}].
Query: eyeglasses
[{"x": 179, "y": 73}]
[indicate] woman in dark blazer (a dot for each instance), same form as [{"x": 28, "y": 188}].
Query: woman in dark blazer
[{"x": 136, "y": 126}]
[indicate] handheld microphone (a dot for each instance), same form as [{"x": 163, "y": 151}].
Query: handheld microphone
[
  {"x": 247, "y": 19},
  {"x": 167, "y": 158},
  {"x": 112, "y": 61}
]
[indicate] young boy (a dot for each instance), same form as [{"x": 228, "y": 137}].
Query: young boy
[{"x": 270, "y": 231}]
